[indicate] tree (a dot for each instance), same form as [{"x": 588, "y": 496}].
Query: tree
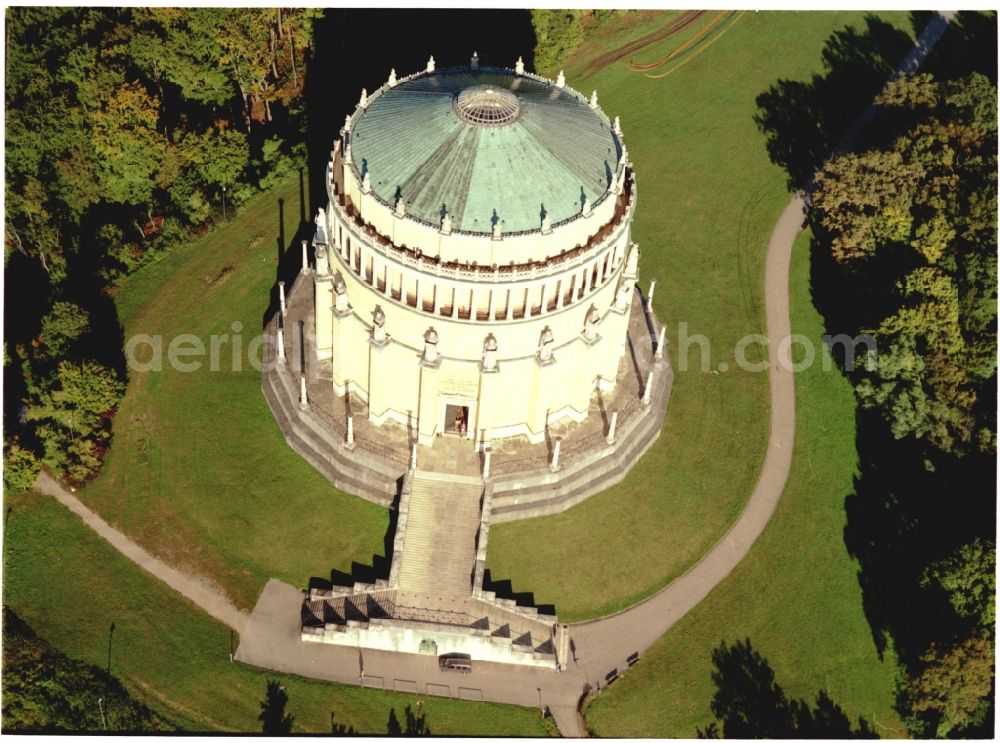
[
  {"x": 20, "y": 467},
  {"x": 61, "y": 327},
  {"x": 47, "y": 692},
  {"x": 272, "y": 715},
  {"x": 558, "y": 33},
  {"x": 968, "y": 578},
  {"x": 73, "y": 410},
  {"x": 128, "y": 147},
  {"x": 953, "y": 691},
  {"x": 912, "y": 223}
]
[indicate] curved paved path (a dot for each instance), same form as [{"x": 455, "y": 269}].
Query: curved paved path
[
  {"x": 211, "y": 600},
  {"x": 270, "y": 636}
]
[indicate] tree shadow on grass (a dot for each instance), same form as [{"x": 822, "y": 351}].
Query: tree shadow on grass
[
  {"x": 912, "y": 506},
  {"x": 749, "y": 703},
  {"x": 969, "y": 45},
  {"x": 414, "y": 723},
  {"x": 803, "y": 120}
]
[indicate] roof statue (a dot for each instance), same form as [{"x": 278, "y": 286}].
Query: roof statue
[
  {"x": 430, "y": 354},
  {"x": 392, "y": 77},
  {"x": 431, "y": 64},
  {"x": 590, "y": 323},
  {"x": 561, "y": 80},
  {"x": 474, "y": 62},
  {"x": 364, "y": 98},
  {"x": 617, "y": 127},
  {"x": 545, "y": 343},
  {"x": 593, "y": 100},
  {"x": 519, "y": 66},
  {"x": 378, "y": 325},
  {"x": 490, "y": 353}
]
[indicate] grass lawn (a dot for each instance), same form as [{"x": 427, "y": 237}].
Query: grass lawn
[
  {"x": 796, "y": 595},
  {"x": 199, "y": 473},
  {"x": 70, "y": 585},
  {"x": 708, "y": 199}
]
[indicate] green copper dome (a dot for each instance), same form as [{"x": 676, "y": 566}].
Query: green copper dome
[{"x": 484, "y": 145}]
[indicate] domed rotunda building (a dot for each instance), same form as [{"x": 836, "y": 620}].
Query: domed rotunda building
[
  {"x": 474, "y": 267},
  {"x": 470, "y": 312}
]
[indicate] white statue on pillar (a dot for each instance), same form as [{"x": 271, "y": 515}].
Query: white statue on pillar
[
  {"x": 590, "y": 323},
  {"x": 546, "y": 224},
  {"x": 585, "y": 210},
  {"x": 431, "y": 64},
  {"x": 392, "y": 77},
  {"x": 446, "y": 224},
  {"x": 366, "y": 183},
  {"x": 378, "y": 325},
  {"x": 617, "y": 128},
  {"x": 347, "y": 123},
  {"x": 490, "y": 353},
  {"x": 474, "y": 62},
  {"x": 560, "y": 80},
  {"x": 593, "y": 100},
  {"x": 545, "y": 343},
  {"x": 430, "y": 346},
  {"x": 498, "y": 229},
  {"x": 322, "y": 264},
  {"x": 519, "y": 66},
  {"x": 364, "y": 98},
  {"x": 400, "y": 207},
  {"x": 340, "y": 294}
]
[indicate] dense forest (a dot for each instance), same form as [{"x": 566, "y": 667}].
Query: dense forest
[
  {"x": 907, "y": 238},
  {"x": 129, "y": 130}
]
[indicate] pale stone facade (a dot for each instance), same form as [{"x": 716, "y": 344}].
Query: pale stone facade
[{"x": 514, "y": 331}]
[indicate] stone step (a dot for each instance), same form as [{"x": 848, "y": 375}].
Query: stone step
[{"x": 439, "y": 541}]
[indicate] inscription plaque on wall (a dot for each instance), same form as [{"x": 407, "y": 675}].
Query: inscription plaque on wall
[{"x": 459, "y": 385}]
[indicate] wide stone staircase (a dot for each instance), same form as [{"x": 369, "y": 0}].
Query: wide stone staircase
[
  {"x": 439, "y": 544},
  {"x": 434, "y": 582}
]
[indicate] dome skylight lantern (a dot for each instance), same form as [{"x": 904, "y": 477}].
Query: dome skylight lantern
[{"x": 486, "y": 106}]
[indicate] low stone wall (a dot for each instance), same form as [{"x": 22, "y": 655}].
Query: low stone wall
[{"x": 408, "y": 636}]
